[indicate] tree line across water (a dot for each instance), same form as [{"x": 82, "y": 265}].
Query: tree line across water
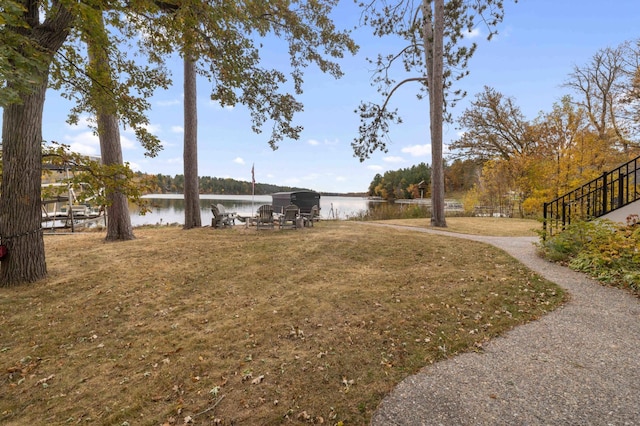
[
  {"x": 166, "y": 184},
  {"x": 460, "y": 176}
]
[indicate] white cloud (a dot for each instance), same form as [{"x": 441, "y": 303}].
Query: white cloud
[
  {"x": 86, "y": 143},
  {"x": 152, "y": 128},
  {"x": 174, "y": 160},
  {"x": 341, "y": 179},
  {"x": 474, "y": 33},
  {"x": 418, "y": 150},
  {"x": 134, "y": 166},
  {"x": 238, "y": 160},
  {"x": 375, "y": 168},
  {"x": 127, "y": 143},
  {"x": 315, "y": 142},
  {"x": 177, "y": 129},
  {"x": 392, "y": 159}
]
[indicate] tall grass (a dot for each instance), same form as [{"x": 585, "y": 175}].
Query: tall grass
[{"x": 386, "y": 211}]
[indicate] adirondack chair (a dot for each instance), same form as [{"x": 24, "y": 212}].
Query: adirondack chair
[
  {"x": 265, "y": 217},
  {"x": 312, "y": 216},
  {"x": 228, "y": 217},
  {"x": 289, "y": 218},
  {"x": 219, "y": 219}
]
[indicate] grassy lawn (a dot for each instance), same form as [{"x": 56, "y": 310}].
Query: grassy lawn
[{"x": 237, "y": 326}]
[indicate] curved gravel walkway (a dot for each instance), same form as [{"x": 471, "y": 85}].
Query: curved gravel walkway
[{"x": 579, "y": 365}]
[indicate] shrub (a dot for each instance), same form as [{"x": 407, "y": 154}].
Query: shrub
[
  {"x": 607, "y": 251},
  {"x": 568, "y": 243}
]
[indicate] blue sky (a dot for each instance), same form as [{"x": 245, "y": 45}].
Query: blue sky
[{"x": 539, "y": 43}]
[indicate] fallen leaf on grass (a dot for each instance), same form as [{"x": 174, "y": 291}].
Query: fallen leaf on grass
[
  {"x": 296, "y": 332},
  {"x": 347, "y": 383},
  {"x": 45, "y": 380},
  {"x": 258, "y": 380}
]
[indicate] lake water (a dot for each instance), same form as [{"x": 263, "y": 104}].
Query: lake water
[{"x": 169, "y": 208}]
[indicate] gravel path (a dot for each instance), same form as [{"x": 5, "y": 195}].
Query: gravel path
[{"x": 579, "y": 365}]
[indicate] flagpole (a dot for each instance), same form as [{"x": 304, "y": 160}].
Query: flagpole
[{"x": 253, "y": 190}]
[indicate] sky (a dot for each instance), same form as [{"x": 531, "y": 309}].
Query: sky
[{"x": 538, "y": 45}]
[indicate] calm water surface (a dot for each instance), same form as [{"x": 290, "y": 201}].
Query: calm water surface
[{"x": 169, "y": 208}]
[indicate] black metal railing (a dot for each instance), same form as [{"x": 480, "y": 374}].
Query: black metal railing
[{"x": 602, "y": 195}]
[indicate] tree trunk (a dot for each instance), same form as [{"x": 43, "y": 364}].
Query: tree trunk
[
  {"x": 436, "y": 92},
  {"x": 20, "y": 201},
  {"x": 433, "y": 33},
  {"x": 119, "y": 226},
  {"x": 192, "y": 217}
]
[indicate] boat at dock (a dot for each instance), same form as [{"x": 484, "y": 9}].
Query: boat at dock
[{"x": 57, "y": 213}]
